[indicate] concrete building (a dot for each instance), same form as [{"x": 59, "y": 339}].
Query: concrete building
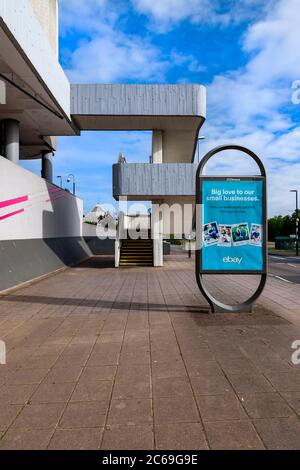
[
  {"x": 95, "y": 215},
  {"x": 41, "y": 224}
]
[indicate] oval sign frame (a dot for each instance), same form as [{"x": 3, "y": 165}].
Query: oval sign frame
[{"x": 216, "y": 305}]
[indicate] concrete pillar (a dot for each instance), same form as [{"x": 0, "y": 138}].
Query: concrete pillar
[
  {"x": 156, "y": 223},
  {"x": 157, "y": 147},
  {"x": 157, "y": 234},
  {"x": 2, "y": 92},
  {"x": 117, "y": 252},
  {"x": 47, "y": 170},
  {"x": 12, "y": 140}
]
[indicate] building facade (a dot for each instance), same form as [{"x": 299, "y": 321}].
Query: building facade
[{"x": 40, "y": 224}]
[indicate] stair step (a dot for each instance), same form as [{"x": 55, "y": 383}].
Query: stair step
[
  {"x": 134, "y": 242},
  {"x": 137, "y": 244},
  {"x": 138, "y": 247},
  {"x": 141, "y": 260},
  {"x": 144, "y": 252},
  {"x": 136, "y": 264},
  {"x": 137, "y": 251}
]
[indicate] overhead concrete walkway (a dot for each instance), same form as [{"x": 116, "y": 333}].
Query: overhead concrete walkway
[
  {"x": 176, "y": 110},
  {"x": 131, "y": 359}
]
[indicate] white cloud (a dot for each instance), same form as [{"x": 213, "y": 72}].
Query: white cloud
[
  {"x": 166, "y": 14},
  {"x": 174, "y": 10},
  {"x": 88, "y": 15},
  {"x": 189, "y": 61},
  {"x": 245, "y": 106},
  {"x": 106, "y": 54},
  {"x": 115, "y": 57},
  {"x": 248, "y": 106}
]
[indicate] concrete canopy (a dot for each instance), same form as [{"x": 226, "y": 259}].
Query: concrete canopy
[
  {"x": 177, "y": 110},
  {"x": 37, "y": 90}
]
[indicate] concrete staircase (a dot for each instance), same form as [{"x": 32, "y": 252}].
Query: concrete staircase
[{"x": 136, "y": 252}]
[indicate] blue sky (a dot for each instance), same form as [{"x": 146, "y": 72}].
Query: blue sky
[{"x": 246, "y": 53}]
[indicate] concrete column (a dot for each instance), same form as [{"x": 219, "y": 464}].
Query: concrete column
[
  {"x": 2, "y": 92},
  {"x": 157, "y": 234},
  {"x": 12, "y": 140},
  {"x": 47, "y": 170},
  {"x": 117, "y": 252},
  {"x": 156, "y": 223},
  {"x": 157, "y": 147}
]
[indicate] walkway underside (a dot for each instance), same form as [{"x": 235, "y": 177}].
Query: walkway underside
[{"x": 131, "y": 358}]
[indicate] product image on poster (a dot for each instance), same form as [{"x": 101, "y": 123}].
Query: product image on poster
[
  {"x": 225, "y": 238},
  {"x": 232, "y": 230}
]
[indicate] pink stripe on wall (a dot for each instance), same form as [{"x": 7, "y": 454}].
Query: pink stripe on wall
[
  {"x": 2, "y": 217},
  {"x": 57, "y": 197},
  {"x": 11, "y": 202},
  {"x": 54, "y": 190}
]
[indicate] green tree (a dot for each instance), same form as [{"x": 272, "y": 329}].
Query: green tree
[{"x": 282, "y": 225}]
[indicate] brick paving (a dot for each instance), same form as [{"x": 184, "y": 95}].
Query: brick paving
[{"x": 104, "y": 358}]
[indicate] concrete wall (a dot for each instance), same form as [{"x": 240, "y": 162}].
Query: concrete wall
[
  {"x": 46, "y": 211},
  {"x": 40, "y": 226},
  {"x": 99, "y": 246},
  {"x": 138, "y": 100},
  {"x": 23, "y": 28},
  {"x": 47, "y": 13},
  {"x": 146, "y": 180}
]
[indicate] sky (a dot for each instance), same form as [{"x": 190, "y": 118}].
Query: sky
[{"x": 247, "y": 54}]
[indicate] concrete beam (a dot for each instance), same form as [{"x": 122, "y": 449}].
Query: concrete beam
[
  {"x": 138, "y": 181},
  {"x": 178, "y": 111},
  {"x": 138, "y": 100}
]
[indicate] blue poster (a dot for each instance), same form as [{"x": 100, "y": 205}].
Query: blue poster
[{"x": 232, "y": 231}]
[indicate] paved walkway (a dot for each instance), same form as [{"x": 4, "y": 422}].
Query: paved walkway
[{"x": 132, "y": 359}]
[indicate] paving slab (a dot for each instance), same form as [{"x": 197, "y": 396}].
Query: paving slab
[
  {"x": 267, "y": 405},
  {"x": 133, "y": 359},
  {"x": 84, "y": 415},
  {"x": 235, "y": 435},
  {"x": 280, "y": 433},
  {"x": 26, "y": 440},
  {"x": 180, "y": 436},
  {"x": 76, "y": 439},
  {"x": 120, "y": 437},
  {"x": 220, "y": 407}
]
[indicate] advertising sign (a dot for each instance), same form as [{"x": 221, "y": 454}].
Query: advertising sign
[{"x": 233, "y": 231}]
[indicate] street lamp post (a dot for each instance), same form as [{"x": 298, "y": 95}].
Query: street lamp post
[
  {"x": 297, "y": 221},
  {"x": 60, "y": 178},
  {"x": 201, "y": 137},
  {"x": 69, "y": 179}
]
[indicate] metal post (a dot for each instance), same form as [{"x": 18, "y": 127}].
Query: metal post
[
  {"x": 12, "y": 140},
  {"x": 47, "y": 168},
  {"x": 201, "y": 137},
  {"x": 297, "y": 221},
  {"x": 69, "y": 179}
]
